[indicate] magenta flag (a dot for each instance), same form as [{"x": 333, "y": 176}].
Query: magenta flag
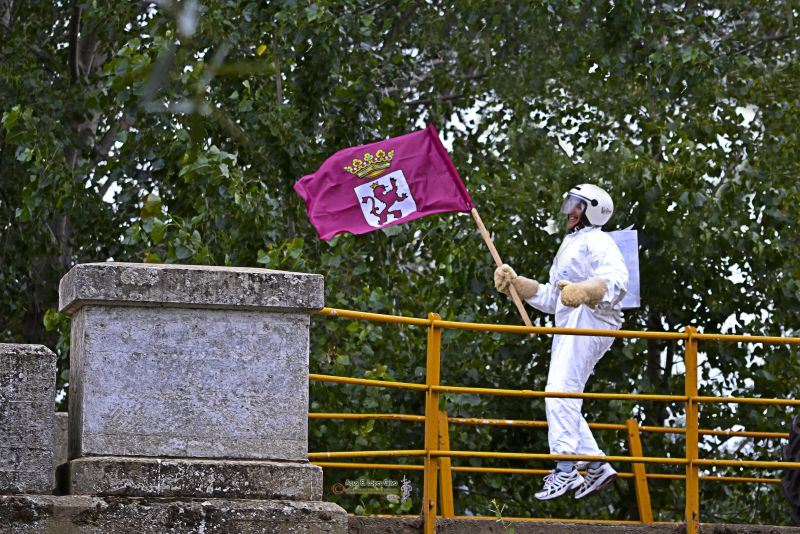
[{"x": 364, "y": 188}]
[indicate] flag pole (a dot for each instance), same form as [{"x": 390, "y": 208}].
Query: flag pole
[{"x": 489, "y": 243}]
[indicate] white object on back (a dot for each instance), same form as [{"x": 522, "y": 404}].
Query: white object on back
[{"x": 628, "y": 243}]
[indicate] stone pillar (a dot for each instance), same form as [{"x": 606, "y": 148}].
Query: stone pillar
[
  {"x": 27, "y": 405},
  {"x": 191, "y": 381}
]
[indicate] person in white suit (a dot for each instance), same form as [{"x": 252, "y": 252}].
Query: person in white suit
[{"x": 587, "y": 283}]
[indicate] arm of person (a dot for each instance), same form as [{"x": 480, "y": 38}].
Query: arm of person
[
  {"x": 545, "y": 299},
  {"x": 608, "y": 281},
  {"x": 609, "y": 266}
]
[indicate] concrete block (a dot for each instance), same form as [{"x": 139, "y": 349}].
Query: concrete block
[
  {"x": 27, "y": 398},
  {"x": 193, "y": 362},
  {"x": 60, "y": 438},
  {"x": 172, "y": 477},
  {"x": 189, "y": 286},
  {"x": 189, "y": 383},
  {"x": 75, "y": 514},
  {"x": 60, "y": 453}
]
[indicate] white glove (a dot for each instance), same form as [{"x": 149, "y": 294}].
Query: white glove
[
  {"x": 589, "y": 292},
  {"x": 504, "y": 276}
]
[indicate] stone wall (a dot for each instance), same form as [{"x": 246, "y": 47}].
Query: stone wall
[
  {"x": 188, "y": 406},
  {"x": 27, "y": 398}
]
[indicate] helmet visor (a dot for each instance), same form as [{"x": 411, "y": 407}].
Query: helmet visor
[{"x": 571, "y": 202}]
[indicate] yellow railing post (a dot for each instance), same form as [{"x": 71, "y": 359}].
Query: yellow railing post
[
  {"x": 445, "y": 472},
  {"x": 431, "y": 425},
  {"x": 692, "y": 441},
  {"x": 639, "y": 474}
]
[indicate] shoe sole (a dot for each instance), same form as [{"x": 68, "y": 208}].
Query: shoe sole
[
  {"x": 603, "y": 484},
  {"x": 559, "y": 494}
]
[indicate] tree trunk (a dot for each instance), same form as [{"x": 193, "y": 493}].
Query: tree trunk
[{"x": 5, "y": 13}]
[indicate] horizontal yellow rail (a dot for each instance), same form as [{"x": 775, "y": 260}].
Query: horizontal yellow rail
[
  {"x": 367, "y": 382},
  {"x": 519, "y": 471},
  {"x": 512, "y": 329},
  {"x": 354, "y": 465},
  {"x": 493, "y": 391},
  {"x": 739, "y": 479},
  {"x": 376, "y": 416},
  {"x": 499, "y": 455},
  {"x": 360, "y": 454},
  {"x": 745, "y": 400},
  {"x": 378, "y": 317},
  {"x": 734, "y": 338},
  {"x": 500, "y": 422},
  {"x": 728, "y": 433},
  {"x": 557, "y": 457},
  {"x": 614, "y": 426},
  {"x": 749, "y": 463},
  {"x": 543, "y": 424},
  {"x": 556, "y": 394}
]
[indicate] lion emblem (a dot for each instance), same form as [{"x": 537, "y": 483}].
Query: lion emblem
[{"x": 386, "y": 199}]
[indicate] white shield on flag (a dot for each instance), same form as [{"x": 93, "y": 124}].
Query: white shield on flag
[{"x": 385, "y": 199}]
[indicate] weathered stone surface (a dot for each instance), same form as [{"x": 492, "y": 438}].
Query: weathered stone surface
[
  {"x": 195, "y": 478},
  {"x": 27, "y": 396},
  {"x": 196, "y": 383},
  {"x": 60, "y": 452},
  {"x": 187, "y": 361},
  {"x": 101, "y": 515},
  {"x": 44, "y": 514},
  {"x": 189, "y": 286},
  {"x": 60, "y": 438}
]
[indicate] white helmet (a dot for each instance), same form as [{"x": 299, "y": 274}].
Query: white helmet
[{"x": 599, "y": 205}]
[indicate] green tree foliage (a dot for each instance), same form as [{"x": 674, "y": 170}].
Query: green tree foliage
[{"x": 173, "y": 131}]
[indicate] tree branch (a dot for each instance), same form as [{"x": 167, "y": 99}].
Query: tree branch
[
  {"x": 440, "y": 98},
  {"x": 6, "y": 7},
  {"x": 74, "y": 31},
  {"x": 102, "y": 148},
  {"x": 277, "y": 62},
  {"x": 375, "y": 7},
  {"x": 388, "y": 91},
  {"x": 667, "y": 373},
  {"x": 763, "y": 41}
]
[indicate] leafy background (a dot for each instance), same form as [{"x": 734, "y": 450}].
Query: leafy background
[{"x": 173, "y": 131}]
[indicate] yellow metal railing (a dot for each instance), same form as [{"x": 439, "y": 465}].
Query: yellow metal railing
[{"x": 436, "y": 455}]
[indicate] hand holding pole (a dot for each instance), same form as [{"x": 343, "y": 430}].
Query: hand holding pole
[{"x": 489, "y": 243}]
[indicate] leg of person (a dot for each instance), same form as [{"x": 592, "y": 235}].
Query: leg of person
[
  {"x": 562, "y": 441},
  {"x": 587, "y": 446},
  {"x": 572, "y": 362},
  {"x": 563, "y": 415},
  {"x": 598, "y": 474}
]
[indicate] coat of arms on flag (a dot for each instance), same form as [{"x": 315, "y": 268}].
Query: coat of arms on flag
[
  {"x": 363, "y": 188},
  {"x": 386, "y": 199}
]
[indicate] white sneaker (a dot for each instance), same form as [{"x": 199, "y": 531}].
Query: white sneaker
[
  {"x": 595, "y": 480},
  {"x": 557, "y": 483}
]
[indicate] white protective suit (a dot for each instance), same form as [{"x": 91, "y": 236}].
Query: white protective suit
[{"x": 585, "y": 254}]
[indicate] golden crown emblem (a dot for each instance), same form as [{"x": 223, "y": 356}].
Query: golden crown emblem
[{"x": 371, "y": 166}]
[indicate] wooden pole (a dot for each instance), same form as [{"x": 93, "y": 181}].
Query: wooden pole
[{"x": 489, "y": 243}]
